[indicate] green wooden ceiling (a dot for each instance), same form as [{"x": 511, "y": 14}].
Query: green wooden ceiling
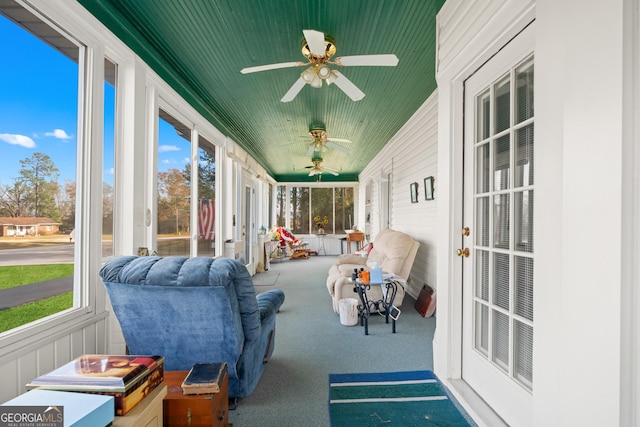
[{"x": 200, "y": 46}]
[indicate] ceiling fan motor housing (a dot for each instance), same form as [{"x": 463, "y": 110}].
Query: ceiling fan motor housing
[{"x": 330, "y": 50}]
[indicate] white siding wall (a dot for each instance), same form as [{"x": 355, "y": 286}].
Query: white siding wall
[
  {"x": 410, "y": 156},
  {"x": 583, "y": 61},
  {"x": 48, "y": 349},
  {"x": 459, "y": 22}
]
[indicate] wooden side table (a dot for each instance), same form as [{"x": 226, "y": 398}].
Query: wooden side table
[
  {"x": 147, "y": 413},
  {"x": 195, "y": 410},
  {"x": 356, "y": 236}
]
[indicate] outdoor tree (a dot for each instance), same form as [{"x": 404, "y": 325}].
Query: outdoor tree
[
  {"x": 206, "y": 174},
  {"x": 14, "y": 199},
  {"x": 39, "y": 176},
  {"x": 173, "y": 199},
  {"x": 107, "y": 209},
  {"x": 67, "y": 205}
]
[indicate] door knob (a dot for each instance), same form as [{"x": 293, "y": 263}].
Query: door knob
[
  {"x": 465, "y": 231},
  {"x": 463, "y": 252}
]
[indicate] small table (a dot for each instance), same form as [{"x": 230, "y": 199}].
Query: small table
[
  {"x": 389, "y": 289},
  {"x": 321, "y": 243},
  {"x": 211, "y": 409},
  {"x": 356, "y": 236}
]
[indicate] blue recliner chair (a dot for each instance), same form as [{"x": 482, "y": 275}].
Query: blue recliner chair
[{"x": 193, "y": 310}]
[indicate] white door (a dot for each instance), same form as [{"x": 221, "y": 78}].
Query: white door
[{"x": 498, "y": 231}]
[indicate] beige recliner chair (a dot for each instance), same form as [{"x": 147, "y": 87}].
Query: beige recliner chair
[{"x": 394, "y": 250}]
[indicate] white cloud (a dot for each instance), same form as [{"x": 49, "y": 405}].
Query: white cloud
[
  {"x": 58, "y": 133},
  {"x": 166, "y": 148},
  {"x": 110, "y": 171},
  {"x": 16, "y": 139}
]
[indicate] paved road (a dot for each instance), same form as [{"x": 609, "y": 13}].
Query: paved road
[
  {"x": 39, "y": 255},
  {"x": 19, "y": 295},
  {"x": 35, "y": 291}
]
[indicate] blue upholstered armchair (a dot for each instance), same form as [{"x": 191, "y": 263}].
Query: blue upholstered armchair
[{"x": 193, "y": 310}]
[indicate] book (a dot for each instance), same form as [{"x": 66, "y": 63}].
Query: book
[
  {"x": 127, "y": 378},
  {"x": 204, "y": 378}
]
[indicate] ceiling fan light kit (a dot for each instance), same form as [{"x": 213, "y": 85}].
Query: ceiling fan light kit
[{"x": 318, "y": 49}]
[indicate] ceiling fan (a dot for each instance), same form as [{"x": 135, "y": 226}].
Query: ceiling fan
[
  {"x": 321, "y": 141},
  {"x": 318, "y": 50},
  {"x": 318, "y": 169}
]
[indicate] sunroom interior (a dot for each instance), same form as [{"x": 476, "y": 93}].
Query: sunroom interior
[{"x": 195, "y": 128}]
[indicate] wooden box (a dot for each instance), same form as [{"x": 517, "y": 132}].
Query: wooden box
[{"x": 196, "y": 410}]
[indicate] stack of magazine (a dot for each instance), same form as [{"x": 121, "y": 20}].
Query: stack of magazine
[{"x": 127, "y": 378}]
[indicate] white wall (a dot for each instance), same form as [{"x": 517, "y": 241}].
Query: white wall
[
  {"x": 410, "y": 156},
  {"x": 583, "y": 80},
  {"x": 579, "y": 134}
]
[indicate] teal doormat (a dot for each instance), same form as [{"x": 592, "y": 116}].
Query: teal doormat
[{"x": 415, "y": 398}]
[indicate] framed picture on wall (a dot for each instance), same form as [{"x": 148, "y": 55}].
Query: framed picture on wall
[
  {"x": 414, "y": 192},
  {"x": 428, "y": 188}
]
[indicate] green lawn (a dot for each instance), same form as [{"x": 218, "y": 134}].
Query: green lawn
[
  {"x": 19, "y": 275},
  {"x": 23, "y": 314}
]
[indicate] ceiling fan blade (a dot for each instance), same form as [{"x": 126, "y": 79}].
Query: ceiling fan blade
[
  {"x": 346, "y": 141},
  {"x": 388, "y": 60},
  {"x": 331, "y": 171},
  {"x": 294, "y": 90},
  {"x": 315, "y": 41},
  {"x": 347, "y": 86},
  {"x": 310, "y": 151},
  {"x": 270, "y": 67},
  {"x": 337, "y": 147}
]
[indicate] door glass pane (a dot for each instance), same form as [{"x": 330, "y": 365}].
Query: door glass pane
[
  {"x": 524, "y": 156},
  {"x": 501, "y": 339},
  {"x": 483, "y": 168},
  {"x": 502, "y": 105},
  {"x": 523, "y": 356},
  {"x": 524, "y": 91},
  {"x": 502, "y": 163},
  {"x": 482, "y": 275},
  {"x": 501, "y": 286},
  {"x": 483, "y": 116},
  {"x": 482, "y": 221},
  {"x": 482, "y": 328},
  {"x": 501, "y": 221},
  {"x": 523, "y": 218},
  {"x": 524, "y": 287}
]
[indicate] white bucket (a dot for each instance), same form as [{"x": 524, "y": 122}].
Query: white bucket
[{"x": 348, "y": 311}]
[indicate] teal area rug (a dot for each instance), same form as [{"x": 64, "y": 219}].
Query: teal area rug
[{"x": 414, "y": 398}]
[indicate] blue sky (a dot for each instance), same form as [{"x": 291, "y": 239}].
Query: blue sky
[{"x": 38, "y": 109}]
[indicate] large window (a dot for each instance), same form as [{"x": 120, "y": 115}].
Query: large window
[
  {"x": 206, "y": 198},
  {"x": 329, "y": 207},
  {"x": 38, "y": 144},
  {"x": 110, "y": 71},
  {"x": 174, "y": 186}
]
